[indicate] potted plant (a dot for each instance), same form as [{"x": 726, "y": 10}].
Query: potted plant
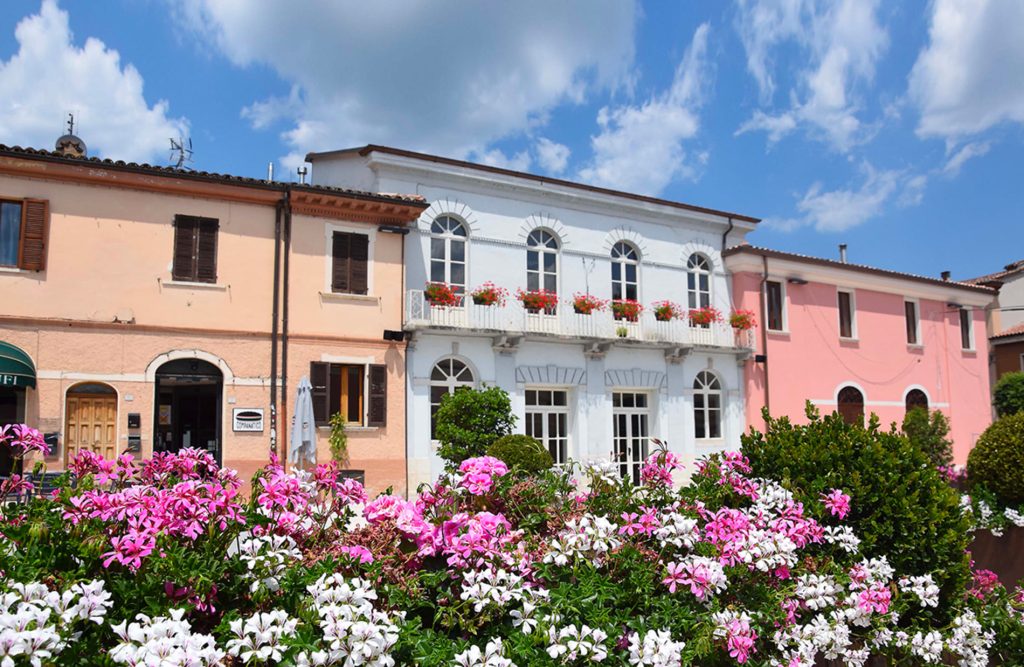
[
  {"x": 704, "y": 316},
  {"x": 538, "y": 300},
  {"x": 742, "y": 320},
  {"x": 667, "y": 310},
  {"x": 585, "y": 304},
  {"x": 489, "y": 294},
  {"x": 621, "y": 332},
  {"x": 627, "y": 309},
  {"x": 441, "y": 294}
]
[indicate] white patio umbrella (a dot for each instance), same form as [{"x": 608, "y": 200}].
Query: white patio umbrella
[{"x": 302, "y": 444}]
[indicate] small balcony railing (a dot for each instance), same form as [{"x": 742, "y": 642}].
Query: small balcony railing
[{"x": 563, "y": 321}]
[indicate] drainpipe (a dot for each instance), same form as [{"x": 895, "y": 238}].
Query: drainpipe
[
  {"x": 764, "y": 331},
  {"x": 725, "y": 236},
  {"x": 273, "y": 326},
  {"x": 287, "y": 206},
  {"x": 405, "y": 378}
]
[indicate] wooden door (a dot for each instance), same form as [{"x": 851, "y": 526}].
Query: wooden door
[{"x": 91, "y": 424}]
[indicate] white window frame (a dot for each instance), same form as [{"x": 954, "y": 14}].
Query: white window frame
[
  {"x": 917, "y": 323},
  {"x": 448, "y": 237},
  {"x": 546, "y": 410},
  {"x": 541, "y": 250},
  {"x": 451, "y": 383},
  {"x": 853, "y": 314},
  {"x": 623, "y": 262},
  {"x": 365, "y": 230},
  {"x": 970, "y": 329},
  {"x": 785, "y": 305},
  {"x": 632, "y": 465},
  {"x": 705, "y": 412},
  {"x": 697, "y": 273}
]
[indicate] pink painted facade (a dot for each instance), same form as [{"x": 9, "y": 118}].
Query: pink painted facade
[{"x": 807, "y": 359}]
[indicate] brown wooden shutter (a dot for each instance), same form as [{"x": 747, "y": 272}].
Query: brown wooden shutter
[
  {"x": 321, "y": 396},
  {"x": 206, "y": 250},
  {"x": 359, "y": 266},
  {"x": 186, "y": 231},
  {"x": 377, "y": 415},
  {"x": 340, "y": 252},
  {"x": 35, "y": 223}
]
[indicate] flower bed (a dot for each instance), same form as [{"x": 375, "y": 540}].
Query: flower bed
[{"x": 490, "y": 566}]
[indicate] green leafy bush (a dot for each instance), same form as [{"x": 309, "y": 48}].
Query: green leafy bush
[
  {"x": 997, "y": 461},
  {"x": 338, "y": 439},
  {"x": 1008, "y": 394},
  {"x": 469, "y": 420},
  {"x": 929, "y": 431},
  {"x": 901, "y": 507},
  {"x": 521, "y": 451}
]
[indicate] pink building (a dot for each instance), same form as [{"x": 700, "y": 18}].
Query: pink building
[{"x": 862, "y": 340}]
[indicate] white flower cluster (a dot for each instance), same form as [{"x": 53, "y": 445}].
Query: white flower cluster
[
  {"x": 970, "y": 641},
  {"x": 570, "y": 644},
  {"x": 677, "y": 530},
  {"x": 1014, "y": 517},
  {"x": 491, "y": 656},
  {"x": 767, "y": 550},
  {"x": 655, "y": 649},
  {"x": 602, "y": 470},
  {"x": 166, "y": 641},
  {"x": 772, "y": 497},
  {"x": 354, "y": 632},
  {"x": 844, "y": 537},
  {"x": 267, "y": 557},
  {"x": 818, "y": 591},
  {"x": 923, "y": 587},
  {"x": 590, "y": 537},
  {"x": 38, "y": 623},
  {"x": 259, "y": 636},
  {"x": 927, "y": 646},
  {"x": 490, "y": 587}
]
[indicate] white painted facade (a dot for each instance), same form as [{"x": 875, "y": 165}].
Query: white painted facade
[{"x": 582, "y": 356}]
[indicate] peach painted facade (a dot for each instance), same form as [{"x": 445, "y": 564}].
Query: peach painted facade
[
  {"x": 807, "y": 359},
  {"x": 106, "y": 310}
]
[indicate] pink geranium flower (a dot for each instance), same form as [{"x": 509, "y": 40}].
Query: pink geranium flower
[{"x": 837, "y": 502}]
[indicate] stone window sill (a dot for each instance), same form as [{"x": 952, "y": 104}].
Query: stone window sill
[
  {"x": 340, "y": 297},
  {"x": 183, "y": 284}
]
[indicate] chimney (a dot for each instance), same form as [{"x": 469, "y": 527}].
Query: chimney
[
  {"x": 842, "y": 253},
  {"x": 945, "y": 276},
  {"x": 270, "y": 171}
]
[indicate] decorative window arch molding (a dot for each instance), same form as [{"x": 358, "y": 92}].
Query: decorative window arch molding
[
  {"x": 845, "y": 384},
  {"x": 452, "y": 207},
  {"x": 630, "y": 236},
  {"x": 554, "y": 375},
  {"x": 636, "y": 378},
  {"x": 700, "y": 248},
  {"x": 229, "y": 377},
  {"x": 920, "y": 389},
  {"x": 544, "y": 221}
]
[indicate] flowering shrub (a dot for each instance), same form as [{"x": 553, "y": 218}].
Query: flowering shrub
[
  {"x": 742, "y": 319},
  {"x": 489, "y": 294},
  {"x": 441, "y": 294},
  {"x": 627, "y": 309},
  {"x": 704, "y": 316},
  {"x": 488, "y": 567},
  {"x": 585, "y": 304},
  {"x": 538, "y": 300},
  {"x": 667, "y": 310}
]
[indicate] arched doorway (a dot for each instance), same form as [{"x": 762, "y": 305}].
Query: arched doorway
[
  {"x": 188, "y": 406},
  {"x": 851, "y": 405},
  {"x": 90, "y": 420},
  {"x": 916, "y": 399}
]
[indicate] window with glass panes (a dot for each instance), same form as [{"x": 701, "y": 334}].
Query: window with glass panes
[
  {"x": 698, "y": 281},
  {"x": 542, "y": 261},
  {"x": 447, "y": 376},
  {"x": 448, "y": 252},
  {"x": 547, "y": 420},
  {"x": 707, "y": 406},
  {"x": 966, "y": 335},
  {"x": 625, "y": 262},
  {"x": 630, "y": 431},
  {"x": 773, "y": 297}
]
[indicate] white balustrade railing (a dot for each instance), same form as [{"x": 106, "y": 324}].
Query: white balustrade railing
[{"x": 512, "y": 317}]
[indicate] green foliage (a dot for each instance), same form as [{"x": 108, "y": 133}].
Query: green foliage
[
  {"x": 997, "y": 460},
  {"x": 901, "y": 508},
  {"x": 1008, "y": 394},
  {"x": 338, "y": 439},
  {"x": 521, "y": 451},
  {"x": 469, "y": 420},
  {"x": 929, "y": 431}
]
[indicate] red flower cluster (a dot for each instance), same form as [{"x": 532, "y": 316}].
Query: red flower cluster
[
  {"x": 441, "y": 294},
  {"x": 537, "y": 300},
  {"x": 704, "y": 316},
  {"x": 742, "y": 320},
  {"x": 627, "y": 309},
  {"x": 585, "y": 304},
  {"x": 489, "y": 294}
]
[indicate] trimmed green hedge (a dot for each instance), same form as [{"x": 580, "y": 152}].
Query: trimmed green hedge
[
  {"x": 523, "y": 452},
  {"x": 997, "y": 461}
]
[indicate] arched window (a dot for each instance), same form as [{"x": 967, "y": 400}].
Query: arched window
[
  {"x": 542, "y": 261},
  {"x": 698, "y": 281},
  {"x": 851, "y": 405},
  {"x": 625, "y": 262},
  {"x": 448, "y": 252},
  {"x": 447, "y": 376},
  {"x": 916, "y": 399},
  {"x": 707, "y": 405}
]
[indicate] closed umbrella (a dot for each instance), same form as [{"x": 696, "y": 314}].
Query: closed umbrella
[{"x": 303, "y": 440}]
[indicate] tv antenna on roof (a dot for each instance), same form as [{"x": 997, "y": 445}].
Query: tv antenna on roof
[{"x": 181, "y": 152}]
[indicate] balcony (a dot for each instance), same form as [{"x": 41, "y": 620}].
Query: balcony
[{"x": 513, "y": 318}]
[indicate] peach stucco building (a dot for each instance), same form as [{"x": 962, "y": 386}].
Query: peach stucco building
[
  {"x": 862, "y": 340},
  {"x": 148, "y": 308}
]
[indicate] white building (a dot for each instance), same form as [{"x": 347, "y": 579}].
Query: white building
[{"x": 588, "y": 386}]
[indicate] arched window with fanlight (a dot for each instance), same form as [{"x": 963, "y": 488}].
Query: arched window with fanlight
[
  {"x": 851, "y": 405},
  {"x": 707, "y": 406},
  {"x": 698, "y": 281},
  {"x": 542, "y": 261},
  {"x": 916, "y": 399},
  {"x": 448, "y": 238},
  {"x": 448, "y": 375},
  {"x": 625, "y": 266}
]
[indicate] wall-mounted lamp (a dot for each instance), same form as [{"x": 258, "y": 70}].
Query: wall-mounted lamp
[
  {"x": 954, "y": 306},
  {"x": 796, "y": 281},
  {"x": 761, "y": 358},
  {"x": 393, "y": 229},
  {"x": 391, "y": 334}
]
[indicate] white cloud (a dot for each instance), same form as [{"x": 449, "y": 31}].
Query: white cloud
[
  {"x": 971, "y": 150},
  {"x": 640, "y": 148},
  {"x": 553, "y": 157},
  {"x": 50, "y": 76},
  {"x": 496, "y": 158},
  {"x": 449, "y": 77},
  {"x": 968, "y": 78},
  {"x": 841, "y": 41}
]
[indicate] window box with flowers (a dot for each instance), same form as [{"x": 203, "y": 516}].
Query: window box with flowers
[
  {"x": 704, "y": 317},
  {"x": 627, "y": 309},
  {"x": 489, "y": 294},
  {"x": 665, "y": 311},
  {"x": 441, "y": 295},
  {"x": 742, "y": 320},
  {"x": 586, "y": 304},
  {"x": 538, "y": 301}
]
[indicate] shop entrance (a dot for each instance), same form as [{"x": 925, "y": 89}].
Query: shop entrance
[{"x": 188, "y": 406}]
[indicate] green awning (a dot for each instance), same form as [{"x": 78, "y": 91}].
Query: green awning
[{"x": 16, "y": 367}]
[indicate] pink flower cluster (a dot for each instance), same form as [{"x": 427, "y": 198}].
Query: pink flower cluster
[
  {"x": 657, "y": 469},
  {"x": 22, "y": 440},
  {"x": 740, "y": 638},
  {"x": 836, "y": 502},
  {"x": 478, "y": 474}
]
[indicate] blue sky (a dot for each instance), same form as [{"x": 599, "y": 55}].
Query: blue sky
[{"x": 893, "y": 127}]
